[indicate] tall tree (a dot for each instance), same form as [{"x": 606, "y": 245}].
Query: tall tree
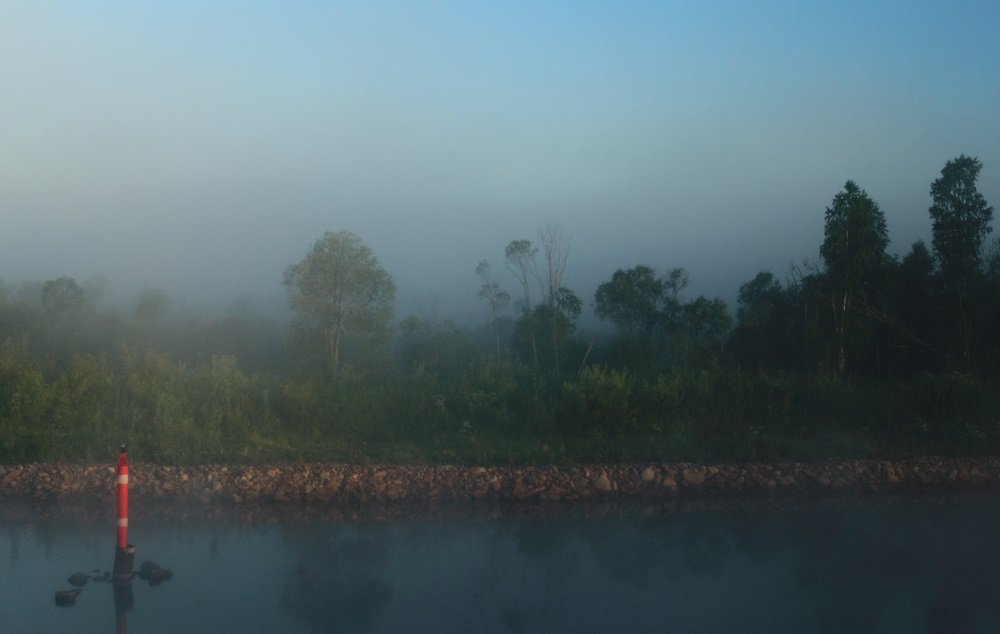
[
  {"x": 960, "y": 222},
  {"x": 675, "y": 281},
  {"x": 495, "y": 296},
  {"x": 520, "y": 256},
  {"x": 555, "y": 246},
  {"x": 855, "y": 238},
  {"x": 340, "y": 286}
]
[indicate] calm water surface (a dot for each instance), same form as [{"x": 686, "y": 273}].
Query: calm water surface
[{"x": 925, "y": 565}]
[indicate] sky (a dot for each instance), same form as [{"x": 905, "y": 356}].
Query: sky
[{"x": 203, "y": 147}]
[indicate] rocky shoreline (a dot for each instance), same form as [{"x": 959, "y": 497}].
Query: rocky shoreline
[{"x": 339, "y": 484}]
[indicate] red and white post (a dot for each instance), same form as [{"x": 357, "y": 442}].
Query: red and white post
[
  {"x": 125, "y": 552},
  {"x": 122, "y": 499}
]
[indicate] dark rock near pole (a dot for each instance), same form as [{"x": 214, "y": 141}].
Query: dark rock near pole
[
  {"x": 153, "y": 573},
  {"x": 66, "y": 598},
  {"x": 78, "y": 579}
]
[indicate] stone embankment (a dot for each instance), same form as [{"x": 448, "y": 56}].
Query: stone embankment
[{"x": 340, "y": 483}]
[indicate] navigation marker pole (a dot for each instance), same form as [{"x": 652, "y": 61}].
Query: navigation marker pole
[
  {"x": 122, "y": 499},
  {"x": 124, "y": 552}
]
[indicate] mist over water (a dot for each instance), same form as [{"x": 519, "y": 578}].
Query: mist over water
[{"x": 890, "y": 566}]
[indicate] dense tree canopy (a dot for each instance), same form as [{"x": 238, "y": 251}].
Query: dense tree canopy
[{"x": 631, "y": 300}]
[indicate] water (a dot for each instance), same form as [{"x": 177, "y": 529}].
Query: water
[{"x": 925, "y": 565}]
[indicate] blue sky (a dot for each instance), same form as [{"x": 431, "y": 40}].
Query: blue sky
[{"x": 202, "y": 147}]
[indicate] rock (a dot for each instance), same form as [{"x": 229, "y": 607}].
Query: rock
[
  {"x": 153, "y": 573},
  {"x": 11, "y": 477},
  {"x": 602, "y": 483},
  {"x": 648, "y": 474},
  {"x": 669, "y": 483},
  {"x": 78, "y": 579},
  {"x": 890, "y": 476},
  {"x": 66, "y": 598},
  {"x": 554, "y": 493},
  {"x": 692, "y": 477},
  {"x": 520, "y": 490}
]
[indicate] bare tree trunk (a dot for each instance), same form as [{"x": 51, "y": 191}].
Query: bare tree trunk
[
  {"x": 556, "y": 251},
  {"x": 333, "y": 347},
  {"x": 840, "y": 327}
]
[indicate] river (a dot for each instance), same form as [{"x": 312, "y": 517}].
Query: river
[{"x": 929, "y": 564}]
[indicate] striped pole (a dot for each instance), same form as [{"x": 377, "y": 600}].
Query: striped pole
[
  {"x": 125, "y": 553},
  {"x": 122, "y": 500}
]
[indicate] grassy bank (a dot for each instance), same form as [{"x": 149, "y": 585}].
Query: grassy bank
[{"x": 175, "y": 413}]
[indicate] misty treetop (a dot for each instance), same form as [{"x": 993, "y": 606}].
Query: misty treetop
[
  {"x": 863, "y": 354},
  {"x": 341, "y": 287}
]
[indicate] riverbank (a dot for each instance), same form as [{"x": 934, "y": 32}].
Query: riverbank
[{"x": 355, "y": 484}]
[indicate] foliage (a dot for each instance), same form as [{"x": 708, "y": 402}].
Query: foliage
[
  {"x": 676, "y": 381},
  {"x": 961, "y": 220},
  {"x": 631, "y": 300},
  {"x": 341, "y": 287},
  {"x": 657, "y": 328},
  {"x": 853, "y": 249}
]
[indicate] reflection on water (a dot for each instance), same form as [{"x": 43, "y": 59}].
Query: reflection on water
[{"x": 929, "y": 565}]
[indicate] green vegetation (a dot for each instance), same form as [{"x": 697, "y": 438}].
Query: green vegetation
[{"x": 868, "y": 356}]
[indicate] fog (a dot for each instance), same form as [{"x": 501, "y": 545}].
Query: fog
[{"x": 202, "y": 150}]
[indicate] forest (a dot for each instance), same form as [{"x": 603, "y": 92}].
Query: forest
[{"x": 864, "y": 354}]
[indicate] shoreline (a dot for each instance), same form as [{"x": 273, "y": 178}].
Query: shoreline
[{"x": 363, "y": 485}]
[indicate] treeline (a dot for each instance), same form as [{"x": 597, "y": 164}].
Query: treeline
[{"x": 864, "y": 354}]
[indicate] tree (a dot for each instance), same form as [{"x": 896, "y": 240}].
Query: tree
[
  {"x": 340, "y": 286},
  {"x": 706, "y": 324},
  {"x": 855, "y": 238},
  {"x": 556, "y": 249},
  {"x": 494, "y": 295},
  {"x": 917, "y": 306},
  {"x": 631, "y": 300},
  {"x": 61, "y": 296},
  {"x": 765, "y": 329},
  {"x": 960, "y": 223},
  {"x": 558, "y": 317},
  {"x": 961, "y": 220},
  {"x": 520, "y": 255},
  {"x": 674, "y": 282}
]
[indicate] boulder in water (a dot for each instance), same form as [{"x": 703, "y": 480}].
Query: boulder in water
[
  {"x": 78, "y": 579},
  {"x": 66, "y": 598},
  {"x": 154, "y": 573}
]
